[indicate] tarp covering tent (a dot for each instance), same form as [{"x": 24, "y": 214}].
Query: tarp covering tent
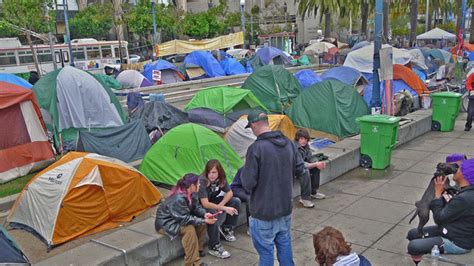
[
  {"x": 329, "y": 106},
  {"x": 232, "y": 66},
  {"x": 206, "y": 61},
  {"x": 363, "y": 59},
  {"x": 418, "y": 59},
  {"x": 10, "y": 252},
  {"x": 238, "y": 53},
  {"x": 436, "y": 34},
  {"x": 420, "y": 73},
  {"x": 347, "y": 75},
  {"x": 398, "y": 86},
  {"x": 81, "y": 194},
  {"x": 240, "y": 138},
  {"x": 409, "y": 77},
  {"x": 160, "y": 115},
  {"x": 127, "y": 143},
  {"x": 73, "y": 99},
  {"x": 274, "y": 86},
  {"x": 318, "y": 48},
  {"x": 14, "y": 79},
  {"x": 131, "y": 79},
  {"x": 444, "y": 56},
  {"x": 307, "y": 78},
  {"x": 109, "y": 81},
  {"x": 169, "y": 72},
  {"x": 24, "y": 146},
  {"x": 186, "y": 149},
  {"x": 273, "y": 56}
]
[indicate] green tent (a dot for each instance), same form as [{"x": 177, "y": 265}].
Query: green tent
[
  {"x": 186, "y": 149},
  {"x": 73, "y": 99},
  {"x": 109, "y": 81},
  {"x": 329, "y": 106},
  {"x": 274, "y": 86},
  {"x": 224, "y": 99}
]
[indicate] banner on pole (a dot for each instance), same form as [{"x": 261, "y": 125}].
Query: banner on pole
[{"x": 386, "y": 63}]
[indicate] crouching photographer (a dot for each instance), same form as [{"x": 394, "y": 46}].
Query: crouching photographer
[{"x": 454, "y": 217}]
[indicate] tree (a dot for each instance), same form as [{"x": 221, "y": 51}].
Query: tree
[
  {"x": 311, "y": 7},
  {"x": 386, "y": 19},
  {"x": 413, "y": 20},
  {"x": 81, "y": 4},
  {"x": 471, "y": 29},
  {"x": 93, "y": 21},
  {"x": 30, "y": 15},
  {"x": 364, "y": 10}
]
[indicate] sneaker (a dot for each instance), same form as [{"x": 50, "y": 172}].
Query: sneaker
[
  {"x": 467, "y": 129},
  {"x": 227, "y": 233},
  {"x": 306, "y": 203},
  {"x": 219, "y": 251},
  {"x": 318, "y": 196},
  {"x": 202, "y": 253}
]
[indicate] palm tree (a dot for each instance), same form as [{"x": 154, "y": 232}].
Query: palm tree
[
  {"x": 413, "y": 20},
  {"x": 311, "y": 7},
  {"x": 386, "y": 12}
]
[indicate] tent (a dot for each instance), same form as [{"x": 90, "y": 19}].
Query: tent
[
  {"x": 418, "y": 59},
  {"x": 169, "y": 72},
  {"x": 329, "y": 106},
  {"x": 362, "y": 59},
  {"x": 127, "y": 143},
  {"x": 347, "y": 75},
  {"x": 336, "y": 42},
  {"x": 445, "y": 56},
  {"x": 240, "y": 138},
  {"x": 398, "y": 86},
  {"x": 24, "y": 146},
  {"x": 14, "y": 79},
  {"x": 273, "y": 56},
  {"x": 410, "y": 78},
  {"x": 252, "y": 63},
  {"x": 318, "y": 48},
  {"x": 73, "y": 99},
  {"x": 109, "y": 81},
  {"x": 436, "y": 34},
  {"x": 219, "y": 107},
  {"x": 238, "y": 53},
  {"x": 206, "y": 62},
  {"x": 232, "y": 66},
  {"x": 131, "y": 79},
  {"x": 81, "y": 194},
  {"x": 160, "y": 115},
  {"x": 186, "y": 149},
  {"x": 360, "y": 45},
  {"x": 10, "y": 252},
  {"x": 307, "y": 78},
  {"x": 274, "y": 86}
]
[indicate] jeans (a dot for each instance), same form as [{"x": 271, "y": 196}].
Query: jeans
[
  {"x": 309, "y": 183},
  {"x": 315, "y": 179},
  {"x": 470, "y": 112},
  {"x": 223, "y": 219},
  {"x": 433, "y": 236},
  {"x": 244, "y": 198},
  {"x": 267, "y": 234}
]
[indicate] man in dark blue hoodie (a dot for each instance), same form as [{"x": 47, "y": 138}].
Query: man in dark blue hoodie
[{"x": 272, "y": 162}]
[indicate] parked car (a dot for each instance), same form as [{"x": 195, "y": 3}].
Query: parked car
[
  {"x": 134, "y": 59},
  {"x": 176, "y": 58}
]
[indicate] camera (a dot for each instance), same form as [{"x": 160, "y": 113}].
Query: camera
[{"x": 444, "y": 169}]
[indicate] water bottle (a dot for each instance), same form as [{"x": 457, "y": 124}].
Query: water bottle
[{"x": 434, "y": 255}]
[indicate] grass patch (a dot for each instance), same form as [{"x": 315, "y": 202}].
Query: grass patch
[{"x": 15, "y": 186}]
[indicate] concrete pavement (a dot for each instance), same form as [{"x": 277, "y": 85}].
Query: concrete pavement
[{"x": 370, "y": 207}]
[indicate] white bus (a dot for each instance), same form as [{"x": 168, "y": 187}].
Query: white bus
[{"x": 89, "y": 54}]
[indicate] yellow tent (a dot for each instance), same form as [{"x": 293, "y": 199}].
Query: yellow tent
[{"x": 83, "y": 193}]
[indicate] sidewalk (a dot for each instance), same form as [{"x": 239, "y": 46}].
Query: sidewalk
[{"x": 370, "y": 207}]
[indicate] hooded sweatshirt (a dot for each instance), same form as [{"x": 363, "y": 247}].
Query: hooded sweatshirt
[{"x": 271, "y": 163}]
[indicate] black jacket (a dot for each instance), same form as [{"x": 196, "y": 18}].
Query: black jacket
[
  {"x": 271, "y": 163},
  {"x": 176, "y": 212},
  {"x": 456, "y": 217}
]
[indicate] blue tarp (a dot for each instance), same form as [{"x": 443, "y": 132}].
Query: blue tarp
[
  {"x": 347, "y": 75},
  {"x": 420, "y": 74},
  {"x": 232, "y": 66},
  {"x": 13, "y": 79},
  {"x": 307, "y": 78},
  {"x": 471, "y": 56},
  {"x": 267, "y": 54},
  {"x": 158, "y": 65},
  {"x": 206, "y": 61},
  {"x": 398, "y": 85}
]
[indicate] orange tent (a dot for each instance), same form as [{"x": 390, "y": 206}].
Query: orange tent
[
  {"x": 401, "y": 72},
  {"x": 81, "y": 194}
]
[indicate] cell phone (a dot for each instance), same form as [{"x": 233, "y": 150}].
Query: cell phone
[{"x": 214, "y": 215}]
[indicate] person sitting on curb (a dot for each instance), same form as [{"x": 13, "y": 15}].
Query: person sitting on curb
[
  {"x": 182, "y": 214},
  {"x": 454, "y": 218},
  {"x": 215, "y": 196},
  {"x": 301, "y": 140},
  {"x": 331, "y": 249},
  {"x": 240, "y": 193}
]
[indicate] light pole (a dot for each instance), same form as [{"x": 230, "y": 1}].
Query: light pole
[
  {"x": 71, "y": 55},
  {"x": 154, "y": 27},
  {"x": 375, "y": 101},
  {"x": 242, "y": 17},
  {"x": 427, "y": 14}
]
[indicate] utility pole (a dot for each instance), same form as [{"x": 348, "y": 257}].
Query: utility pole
[
  {"x": 427, "y": 14},
  {"x": 71, "y": 55},
  {"x": 242, "y": 17},
  {"x": 375, "y": 101}
]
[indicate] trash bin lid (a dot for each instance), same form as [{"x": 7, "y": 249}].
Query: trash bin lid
[
  {"x": 446, "y": 94},
  {"x": 379, "y": 119}
]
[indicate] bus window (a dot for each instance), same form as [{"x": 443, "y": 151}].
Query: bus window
[
  {"x": 44, "y": 56},
  {"x": 79, "y": 54},
  {"x": 25, "y": 57},
  {"x": 106, "y": 52},
  {"x": 57, "y": 57},
  {"x": 93, "y": 53},
  {"x": 124, "y": 52},
  {"x": 7, "y": 58},
  {"x": 66, "y": 56}
]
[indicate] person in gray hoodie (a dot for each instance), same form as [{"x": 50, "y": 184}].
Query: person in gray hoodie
[{"x": 272, "y": 162}]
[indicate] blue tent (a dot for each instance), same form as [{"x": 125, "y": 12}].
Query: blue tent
[
  {"x": 272, "y": 54},
  {"x": 470, "y": 57},
  {"x": 206, "y": 61},
  {"x": 307, "y": 78},
  {"x": 13, "y": 79},
  {"x": 420, "y": 73},
  {"x": 347, "y": 75},
  {"x": 169, "y": 72},
  {"x": 9, "y": 250},
  {"x": 360, "y": 45},
  {"x": 232, "y": 66},
  {"x": 398, "y": 85}
]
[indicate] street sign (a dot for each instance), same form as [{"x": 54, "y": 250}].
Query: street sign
[
  {"x": 386, "y": 63},
  {"x": 156, "y": 75}
]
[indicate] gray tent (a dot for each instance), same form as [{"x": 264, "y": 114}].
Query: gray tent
[
  {"x": 214, "y": 120},
  {"x": 160, "y": 115},
  {"x": 128, "y": 143}
]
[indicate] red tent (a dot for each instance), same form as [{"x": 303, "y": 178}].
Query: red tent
[
  {"x": 24, "y": 145},
  {"x": 401, "y": 72}
]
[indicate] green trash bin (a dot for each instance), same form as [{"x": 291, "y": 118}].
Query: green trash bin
[
  {"x": 378, "y": 136},
  {"x": 445, "y": 107}
]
